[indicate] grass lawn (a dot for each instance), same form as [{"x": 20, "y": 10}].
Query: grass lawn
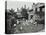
[{"x": 28, "y": 28}]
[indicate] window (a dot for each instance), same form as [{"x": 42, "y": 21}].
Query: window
[{"x": 31, "y": 16}]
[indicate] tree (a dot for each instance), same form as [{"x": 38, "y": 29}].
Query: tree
[{"x": 24, "y": 13}]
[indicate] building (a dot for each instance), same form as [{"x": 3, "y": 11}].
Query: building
[{"x": 36, "y": 8}]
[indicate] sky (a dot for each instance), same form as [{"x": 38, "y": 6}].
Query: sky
[{"x": 18, "y": 4}]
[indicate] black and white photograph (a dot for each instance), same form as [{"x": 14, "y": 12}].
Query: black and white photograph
[{"x": 24, "y": 17}]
